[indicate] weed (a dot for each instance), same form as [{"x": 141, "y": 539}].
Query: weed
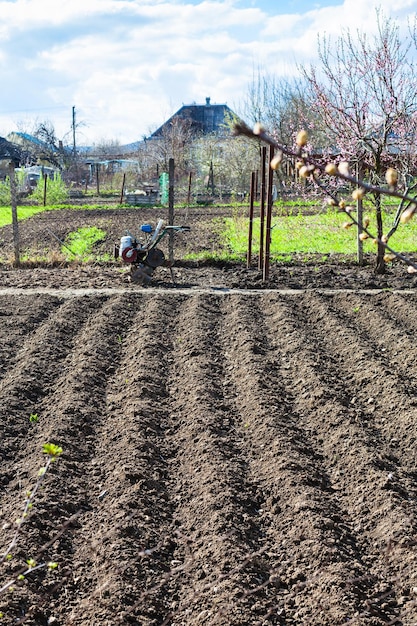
[{"x": 81, "y": 242}]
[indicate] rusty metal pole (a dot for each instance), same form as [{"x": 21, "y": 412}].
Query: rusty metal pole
[
  {"x": 15, "y": 225},
  {"x": 262, "y": 209},
  {"x": 171, "y": 169},
  {"x": 250, "y": 233},
  {"x": 265, "y": 275},
  {"x": 359, "y": 202}
]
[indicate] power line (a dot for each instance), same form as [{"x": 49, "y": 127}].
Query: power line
[{"x": 54, "y": 108}]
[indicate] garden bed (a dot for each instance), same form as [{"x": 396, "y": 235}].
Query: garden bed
[{"x": 229, "y": 457}]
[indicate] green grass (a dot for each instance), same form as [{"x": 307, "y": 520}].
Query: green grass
[
  {"x": 81, "y": 243},
  {"x": 23, "y": 212},
  {"x": 310, "y": 234}
]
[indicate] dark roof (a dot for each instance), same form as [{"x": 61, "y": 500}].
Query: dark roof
[
  {"x": 9, "y": 151},
  {"x": 205, "y": 118}
]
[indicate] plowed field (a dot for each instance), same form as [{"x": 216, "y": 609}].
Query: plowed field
[
  {"x": 235, "y": 452},
  {"x": 229, "y": 458}
]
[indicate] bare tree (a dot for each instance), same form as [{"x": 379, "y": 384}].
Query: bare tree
[
  {"x": 107, "y": 148},
  {"x": 282, "y": 106},
  {"x": 364, "y": 90},
  {"x": 174, "y": 142}
]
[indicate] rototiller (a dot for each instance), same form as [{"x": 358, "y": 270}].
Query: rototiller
[{"x": 145, "y": 257}]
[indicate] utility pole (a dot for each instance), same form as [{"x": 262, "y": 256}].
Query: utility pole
[{"x": 74, "y": 146}]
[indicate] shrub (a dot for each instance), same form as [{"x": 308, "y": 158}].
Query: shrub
[{"x": 56, "y": 190}]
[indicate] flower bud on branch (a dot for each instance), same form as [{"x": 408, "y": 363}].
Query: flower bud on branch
[
  {"x": 407, "y": 215},
  {"x": 358, "y": 194},
  {"x": 391, "y": 177},
  {"x": 331, "y": 169},
  {"x": 276, "y": 161},
  {"x": 343, "y": 168},
  {"x": 302, "y": 138}
]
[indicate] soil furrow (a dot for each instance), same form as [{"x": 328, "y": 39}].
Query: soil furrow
[
  {"x": 326, "y": 384},
  {"x": 19, "y": 318},
  {"x": 381, "y": 380},
  {"x": 132, "y": 549},
  {"x": 375, "y": 321},
  {"x": 36, "y": 363},
  {"x": 69, "y": 414},
  {"x": 216, "y": 502},
  {"x": 293, "y": 479},
  {"x": 230, "y": 458}
]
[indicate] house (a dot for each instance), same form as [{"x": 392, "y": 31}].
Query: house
[
  {"x": 204, "y": 119},
  {"x": 9, "y": 153},
  {"x": 36, "y": 150}
]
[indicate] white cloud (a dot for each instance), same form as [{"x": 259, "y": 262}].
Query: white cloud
[{"x": 126, "y": 65}]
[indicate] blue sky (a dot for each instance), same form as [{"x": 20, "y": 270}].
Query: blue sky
[{"x": 127, "y": 65}]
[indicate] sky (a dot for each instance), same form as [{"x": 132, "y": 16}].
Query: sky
[{"x": 126, "y": 66}]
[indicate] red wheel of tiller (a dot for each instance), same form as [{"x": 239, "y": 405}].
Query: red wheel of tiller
[{"x": 129, "y": 255}]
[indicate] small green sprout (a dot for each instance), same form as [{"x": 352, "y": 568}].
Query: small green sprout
[
  {"x": 51, "y": 449},
  {"x": 52, "y": 565},
  {"x": 31, "y": 563},
  {"x": 34, "y": 417},
  {"x": 20, "y": 577}
]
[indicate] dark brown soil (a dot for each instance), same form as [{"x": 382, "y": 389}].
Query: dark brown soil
[{"x": 233, "y": 453}]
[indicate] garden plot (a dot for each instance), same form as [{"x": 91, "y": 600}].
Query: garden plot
[{"x": 228, "y": 458}]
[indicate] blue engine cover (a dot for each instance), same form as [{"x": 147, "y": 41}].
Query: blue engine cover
[{"x": 146, "y": 228}]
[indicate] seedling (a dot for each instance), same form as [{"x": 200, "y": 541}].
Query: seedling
[{"x": 52, "y": 451}]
